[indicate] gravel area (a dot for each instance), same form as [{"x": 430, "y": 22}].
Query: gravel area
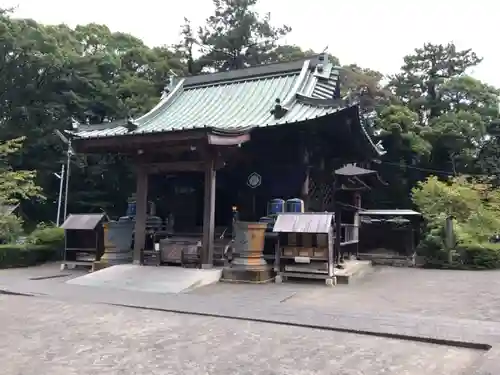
[{"x": 43, "y": 336}]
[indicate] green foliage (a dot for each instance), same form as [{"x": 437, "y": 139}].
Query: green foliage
[
  {"x": 236, "y": 36},
  {"x": 53, "y": 73},
  {"x": 15, "y": 184},
  {"x": 475, "y": 209},
  {"x": 424, "y": 72},
  {"x": 26, "y": 255},
  {"x": 11, "y": 228},
  {"x": 436, "y": 122},
  {"x": 48, "y": 235},
  {"x": 431, "y": 116},
  {"x": 480, "y": 256}
]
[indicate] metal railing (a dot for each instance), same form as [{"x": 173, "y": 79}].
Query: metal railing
[{"x": 349, "y": 233}]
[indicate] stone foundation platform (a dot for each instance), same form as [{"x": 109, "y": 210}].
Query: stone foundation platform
[
  {"x": 394, "y": 260},
  {"x": 100, "y": 265},
  {"x": 352, "y": 271},
  {"x": 246, "y": 275}
]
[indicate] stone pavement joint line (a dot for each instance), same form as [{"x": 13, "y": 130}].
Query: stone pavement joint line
[
  {"x": 485, "y": 337},
  {"x": 427, "y": 340},
  {"x": 9, "y": 293}
]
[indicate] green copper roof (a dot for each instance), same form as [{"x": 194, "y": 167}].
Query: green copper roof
[
  {"x": 230, "y": 101},
  {"x": 238, "y": 100}
]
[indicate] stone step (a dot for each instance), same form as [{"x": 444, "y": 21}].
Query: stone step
[{"x": 353, "y": 270}]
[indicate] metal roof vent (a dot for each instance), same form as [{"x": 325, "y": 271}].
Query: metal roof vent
[
  {"x": 323, "y": 66},
  {"x": 278, "y": 111},
  {"x": 131, "y": 125},
  {"x": 171, "y": 83}
]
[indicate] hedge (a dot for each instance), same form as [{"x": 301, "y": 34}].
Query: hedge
[
  {"x": 480, "y": 256},
  {"x": 27, "y": 255},
  {"x": 52, "y": 236}
]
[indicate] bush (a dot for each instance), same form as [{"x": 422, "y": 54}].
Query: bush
[
  {"x": 475, "y": 209},
  {"x": 11, "y": 228},
  {"x": 26, "y": 255},
  {"x": 47, "y": 236},
  {"x": 480, "y": 256},
  {"x": 483, "y": 256}
]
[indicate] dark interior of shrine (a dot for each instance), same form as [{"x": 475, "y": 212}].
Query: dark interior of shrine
[{"x": 283, "y": 156}]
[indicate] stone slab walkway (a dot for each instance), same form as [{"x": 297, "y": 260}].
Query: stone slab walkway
[
  {"x": 41, "y": 336},
  {"x": 459, "y": 308}
]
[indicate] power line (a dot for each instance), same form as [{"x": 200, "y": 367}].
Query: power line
[
  {"x": 442, "y": 172},
  {"x": 417, "y": 168}
]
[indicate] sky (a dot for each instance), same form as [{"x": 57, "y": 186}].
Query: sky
[{"x": 372, "y": 34}]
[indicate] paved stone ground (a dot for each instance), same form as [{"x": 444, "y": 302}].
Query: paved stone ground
[
  {"x": 43, "y": 336},
  {"x": 456, "y": 306},
  {"x": 456, "y": 294}
]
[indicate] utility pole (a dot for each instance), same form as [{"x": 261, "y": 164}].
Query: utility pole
[
  {"x": 68, "y": 160},
  {"x": 69, "y": 152},
  {"x": 449, "y": 240},
  {"x": 59, "y": 198}
]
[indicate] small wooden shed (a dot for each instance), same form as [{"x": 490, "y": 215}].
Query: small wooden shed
[
  {"x": 84, "y": 239},
  {"x": 305, "y": 246}
]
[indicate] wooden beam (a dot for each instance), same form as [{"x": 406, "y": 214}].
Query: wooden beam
[
  {"x": 135, "y": 141},
  {"x": 141, "y": 201},
  {"x": 177, "y": 166},
  {"x": 207, "y": 257},
  {"x": 227, "y": 140}
]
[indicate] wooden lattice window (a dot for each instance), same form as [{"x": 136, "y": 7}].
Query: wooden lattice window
[{"x": 320, "y": 195}]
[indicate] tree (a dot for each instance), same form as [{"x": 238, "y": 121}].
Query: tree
[
  {"x": 488, "y": 161},
  {"x": 187, "y": 48},
  {"x": 456, "y": 138},
  {"x": 424, "y": 73},
  {"x": 50, "y": 74},
  {"x": 465, "y": 93},
  {"x": 365, "y": 86},
  {"x": 15, "y": 185},
  {"x": 474, "y": 207},
  {"x": 454, "y": 110},
  {"x": 236, "y": 36}
]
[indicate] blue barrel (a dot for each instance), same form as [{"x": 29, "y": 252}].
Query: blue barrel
[
  {"x": 295, "y": 205},
  {"x": 131, "y": 208},
  {"x": 275, "y": 206}
]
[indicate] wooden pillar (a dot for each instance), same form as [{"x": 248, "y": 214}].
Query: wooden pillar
[
  {"x": 338, "y": 232},
  {"x": 304, "y": 194},
  {"x": 338, "y": 221},
  {"x": 141, "y": 197},
  {"x": 357, "y": 221},
  {"x": 207, "y": 255},
  {"x": 320, "y": 184}
]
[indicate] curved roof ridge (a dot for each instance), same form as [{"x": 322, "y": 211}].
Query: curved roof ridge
[
  {"x": 319, "y": 102},
  {"x": 376, "y": 146},
  {"x": 162, "y": 104},
  {"x": 299, "y": 84},
  {"x": 253, "y": 72}
]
